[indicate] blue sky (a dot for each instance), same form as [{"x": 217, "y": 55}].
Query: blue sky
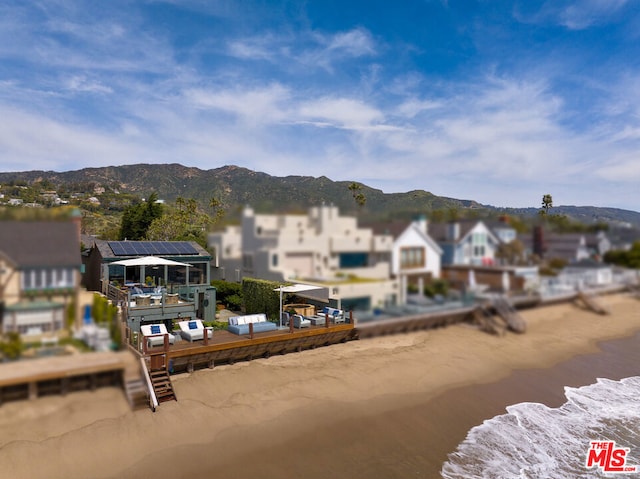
[{"x": 495, "y": 101}]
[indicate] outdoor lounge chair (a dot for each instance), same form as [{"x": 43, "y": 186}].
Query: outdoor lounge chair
[
  {"x": 300, "y": 321},
  {"x": 192, "y": 330},
  {"x": 149, "y": 331}
]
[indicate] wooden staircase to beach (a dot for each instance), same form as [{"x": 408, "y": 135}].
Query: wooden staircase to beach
[
  {"x": 508, "y": 313},
  {"x": 162, "y": 386},
  {"x": 487, "y": 322},
  {"x": 590, "y": 301},
  {"x": 497, "y": 315}
]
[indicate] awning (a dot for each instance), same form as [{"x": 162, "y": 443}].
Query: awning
[
  {"x": 319, "y": 293},
  {"x": 149, "y": 261}
]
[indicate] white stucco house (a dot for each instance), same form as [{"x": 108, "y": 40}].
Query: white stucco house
[{"x": 320, "y": 247}]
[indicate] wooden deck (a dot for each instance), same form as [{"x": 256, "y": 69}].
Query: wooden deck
[
  {"x": 226, "y": 347},
  {"x": 32, "y": 378}
]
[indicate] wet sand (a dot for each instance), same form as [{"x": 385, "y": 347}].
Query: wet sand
[{"x": 378, "y": 408}]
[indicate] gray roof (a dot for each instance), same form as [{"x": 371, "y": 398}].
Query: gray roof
[{"x": 40, "y": 243}]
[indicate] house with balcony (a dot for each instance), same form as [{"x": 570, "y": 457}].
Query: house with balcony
[
  {"x": 154, "y": 282},
  {"x": 416, "y": 256},
  {"x": 40, "y": 267},
  {"x": 321, "y": 247}
]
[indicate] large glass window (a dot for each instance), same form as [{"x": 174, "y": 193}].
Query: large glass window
[{"x": 412, "y": 257}]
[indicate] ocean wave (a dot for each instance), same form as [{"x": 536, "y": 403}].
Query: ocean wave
[{"x": 535, "y": 441}]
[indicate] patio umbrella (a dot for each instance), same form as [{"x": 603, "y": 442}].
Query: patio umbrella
[{"x": 148, "y": 261}]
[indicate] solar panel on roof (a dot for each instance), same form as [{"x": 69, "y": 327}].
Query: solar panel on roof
[{"x": 154, "y": 248}]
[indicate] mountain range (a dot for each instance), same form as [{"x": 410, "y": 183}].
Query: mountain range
[{"x": 234, "y": 187}]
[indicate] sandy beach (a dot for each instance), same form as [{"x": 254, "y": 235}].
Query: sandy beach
[{"x": 391, "y": 406}]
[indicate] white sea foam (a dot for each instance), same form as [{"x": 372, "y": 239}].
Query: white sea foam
[{"x": 534, "y": 441}]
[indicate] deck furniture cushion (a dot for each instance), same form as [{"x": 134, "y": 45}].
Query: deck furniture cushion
[
  {"x": 193, "y": 325},
  {"x": 155, "y": 329}
]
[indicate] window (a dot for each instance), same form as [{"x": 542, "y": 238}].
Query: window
[
  {"x": 479, "y": 242},
  {"x": 412, "y": 257},
  {"x": 47, "y": 278},
  {"x": 354, "y": 260},
  {"x": 274, "y": 260}
]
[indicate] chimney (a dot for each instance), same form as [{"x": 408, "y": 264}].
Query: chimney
[
  {"x": 421, "y": 221},
  {"x": 539, "y": 246},
  {"x": 453, "y": 231},
  {"x": 76, "y": 218}
]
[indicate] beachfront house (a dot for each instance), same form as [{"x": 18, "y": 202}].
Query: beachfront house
[
  {"x": 39, "y": 276},
  {"x": 416, "y": 257},
  {"x": 587, "y": 273},
  {"x": 154, "y": 282},
  {"x": 321, "y": 247},
  {"x": 465, "y": 242}
]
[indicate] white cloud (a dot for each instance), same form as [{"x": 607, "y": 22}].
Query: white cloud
[
  {"x": 82, "y": 84},
  {"x": 340, "y": 113},
  {"x": 257, "y": 105},
  {"x": 573, "y": 14}
]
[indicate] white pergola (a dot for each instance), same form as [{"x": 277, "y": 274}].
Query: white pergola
[{"x": 298, "y": 288}]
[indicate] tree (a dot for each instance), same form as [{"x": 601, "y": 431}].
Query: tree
[
  {"x": 358, "y": 196},
  {"x": 217, "y": 209},
  {"x": 547, "y": 203},
  {"x": 138, "y": 217},
  {"x": 182, "y": 223},
  {"x": 512, "y": 253}
]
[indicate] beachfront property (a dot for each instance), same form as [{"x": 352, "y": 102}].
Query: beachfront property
[
  {"x": 465, "y": 242},
  {"x": 416, "y": 256},
  {"x": 153, "y": 282},
  {"x": 322, "y": 248},
  {"x": 40, "y": 269}
]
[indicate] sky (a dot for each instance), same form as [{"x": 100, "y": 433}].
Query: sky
[{"x": 495, "y": 101}]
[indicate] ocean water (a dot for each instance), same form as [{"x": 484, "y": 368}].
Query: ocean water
[{"x": 533, "y": 441}]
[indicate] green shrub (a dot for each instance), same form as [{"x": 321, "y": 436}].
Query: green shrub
[
  {"x": 12, "y": 346},
  {"x": 260, "y": 297},
  {"x": 228, "y": 294}
]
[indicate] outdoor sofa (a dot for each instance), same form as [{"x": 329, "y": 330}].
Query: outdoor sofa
[
  {"x": 335, "y": 315},
  {"x": 240, "y": 324}
]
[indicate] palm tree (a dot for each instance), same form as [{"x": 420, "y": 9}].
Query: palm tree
[
  {"x": 547, "y": 202},
  {"x": 356, "y": 192}
]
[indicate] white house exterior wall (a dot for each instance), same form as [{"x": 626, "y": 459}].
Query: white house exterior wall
[
  {"x": 307, "y": 245},
  {"x": 464, "y": 249},
  {"x": 412, "y": 238}
]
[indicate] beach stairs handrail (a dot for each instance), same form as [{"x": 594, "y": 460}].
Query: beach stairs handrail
[
  {"x": 487, "y": 321},
  {"x": 509, "y": 314},
  {"x": 162, "y": 386},
  {"x": 590, "y": 301},
  {"x": 153, "y": 400}
]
